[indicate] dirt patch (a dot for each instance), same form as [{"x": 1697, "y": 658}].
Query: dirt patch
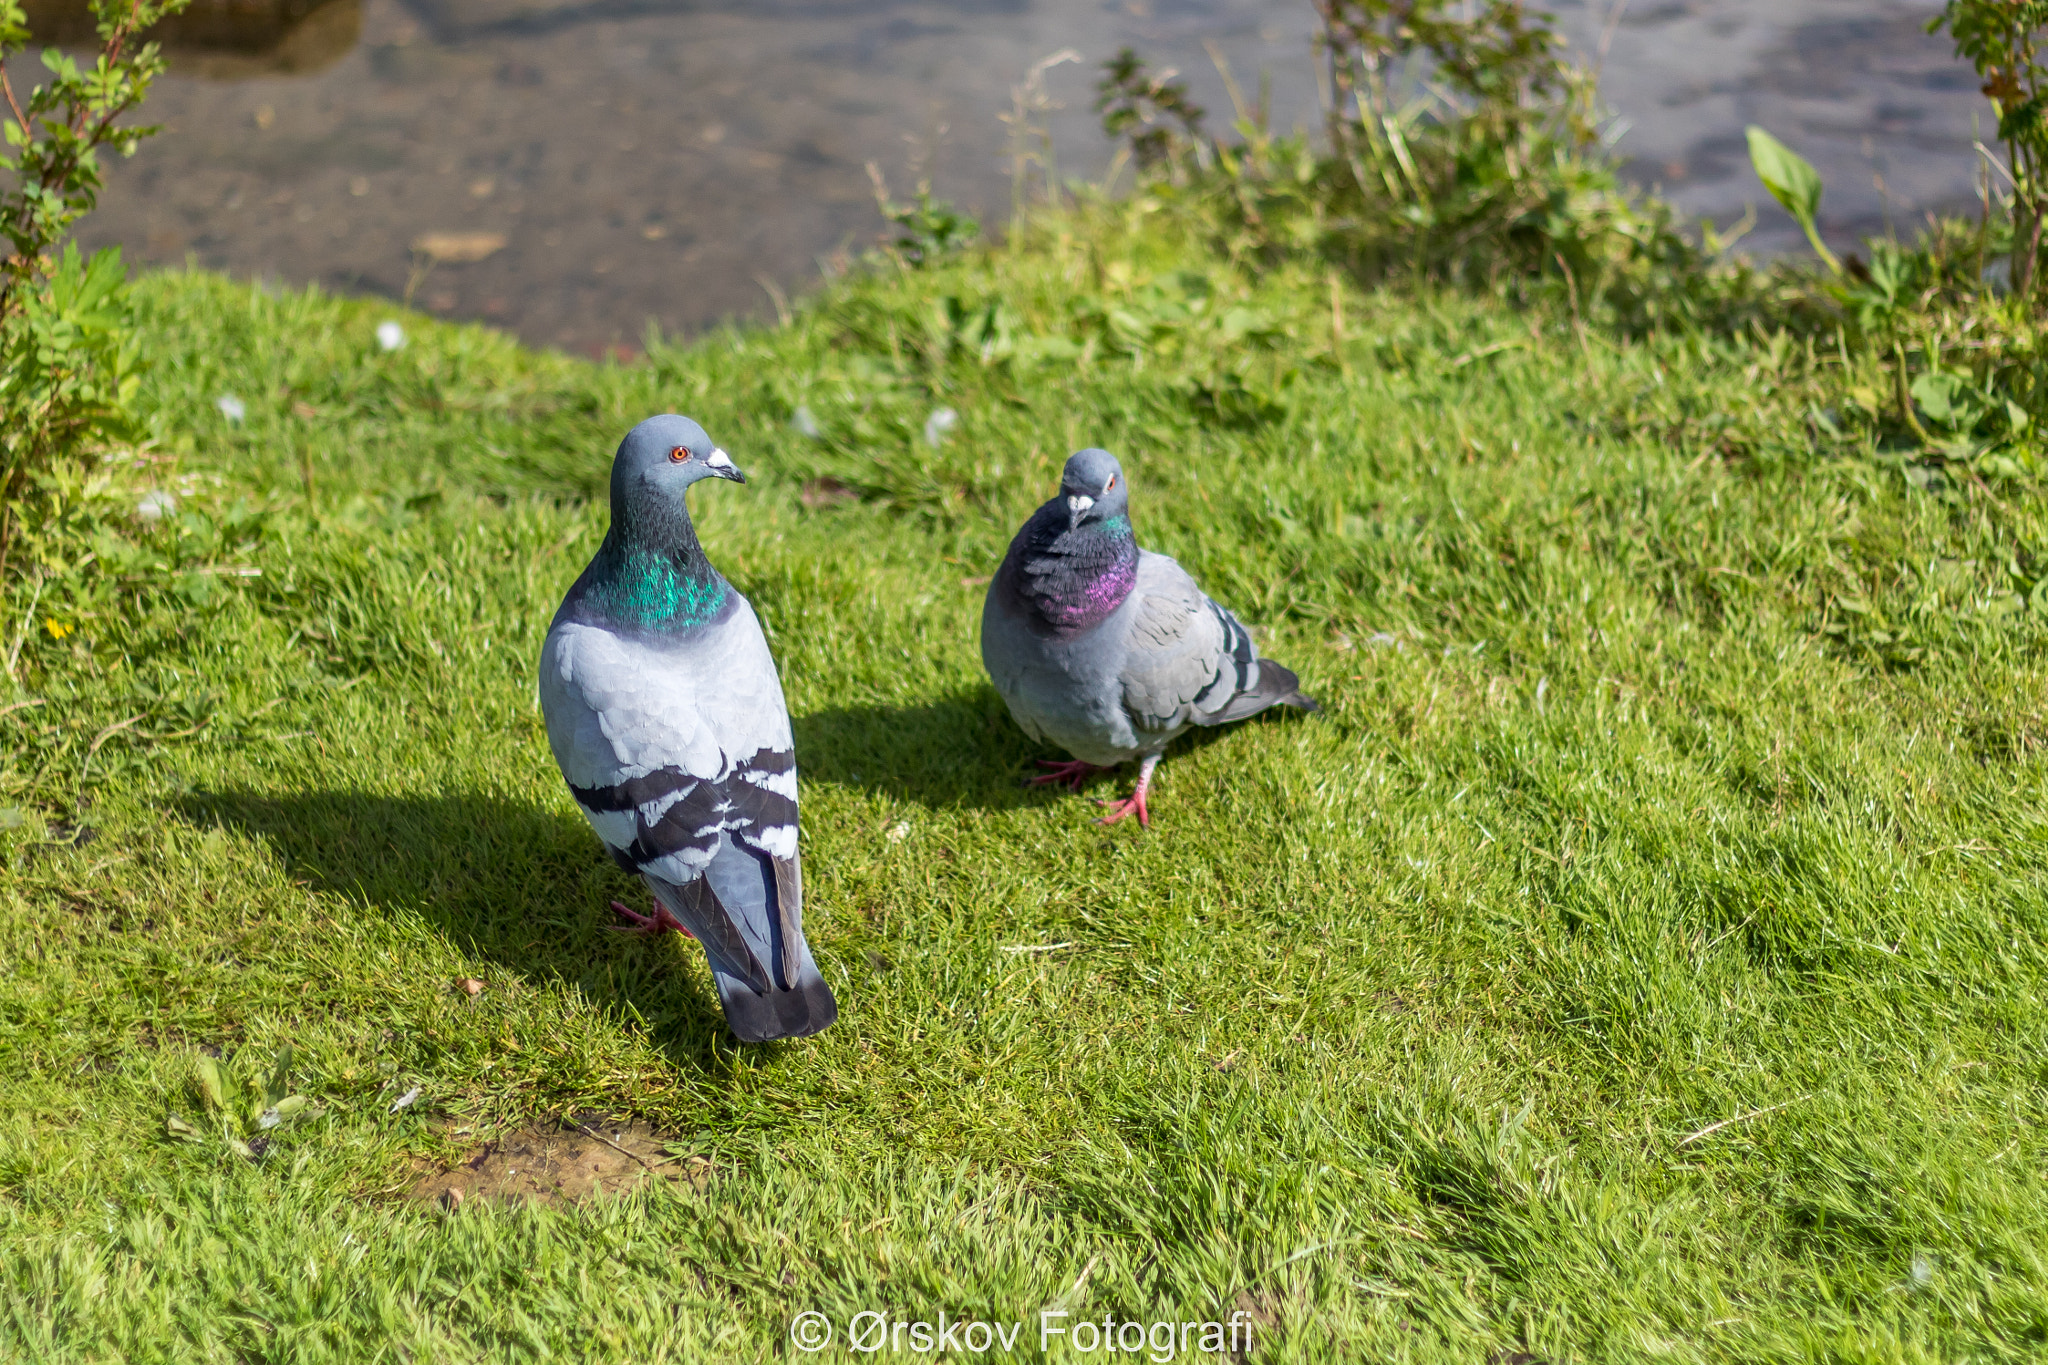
[
  {"x": 559, "y": 1163},
  {"x": 826, "y": 492}
]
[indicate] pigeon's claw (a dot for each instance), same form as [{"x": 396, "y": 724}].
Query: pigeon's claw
[
  {"x": 1073, "y": 772},
  {"x": 1134, "y": 804},
  {"x": 647, "y": 926}
]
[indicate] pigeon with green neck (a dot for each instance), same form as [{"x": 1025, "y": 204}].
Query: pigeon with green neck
[{"x": 666, "y": 716}]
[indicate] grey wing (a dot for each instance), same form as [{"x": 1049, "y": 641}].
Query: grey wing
[
  {"x": 1190, "y": 662},
  {"x": 1185, "y": 656},
  {"x": 746, "y": 909}
]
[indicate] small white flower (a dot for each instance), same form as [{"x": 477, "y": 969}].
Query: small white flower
[
  {"x": 231, "y": 407},
  {"x": 390, "y": 336},
  {"x": 938, "y": 424},
  {"x": 805, "y": 424},
  {"x": 898, "y": 832},
  {"x": 156, "y": 505}
]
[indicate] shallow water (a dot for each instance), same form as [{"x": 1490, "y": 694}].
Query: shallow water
[{"x": 684, "y": 160}]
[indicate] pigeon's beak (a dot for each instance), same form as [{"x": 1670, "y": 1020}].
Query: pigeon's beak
[
  {"x": 720, "y": 463},
  {"x": 1076, "y": 505}
]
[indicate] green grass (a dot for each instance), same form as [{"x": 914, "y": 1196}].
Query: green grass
[{"x": 1680, "y": 766}]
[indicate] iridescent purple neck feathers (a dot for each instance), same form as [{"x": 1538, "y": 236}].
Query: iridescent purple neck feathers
[{"x": 1068, "y": 581}]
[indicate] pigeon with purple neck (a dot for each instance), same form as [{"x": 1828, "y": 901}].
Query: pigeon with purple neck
[
  {"x": 1111, "y": 651},
  {"x": 665, "y": 713}
]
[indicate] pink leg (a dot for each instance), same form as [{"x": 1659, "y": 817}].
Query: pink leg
[
  {"x": 1073, "y": 772},
  {"x": 647, "y": 926},
  {"x": 1134, "y": 804}
]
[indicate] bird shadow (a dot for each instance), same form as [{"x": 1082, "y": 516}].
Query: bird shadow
[
  {"x": 526, "y": 887},
  {"x": 962, "y": 750},
  {"x": 515, "y": 884}
]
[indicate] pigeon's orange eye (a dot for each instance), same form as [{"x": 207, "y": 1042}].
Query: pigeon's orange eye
[
  {"x": 1111, "y": 484},
  {"x": 679, "y": 454}
]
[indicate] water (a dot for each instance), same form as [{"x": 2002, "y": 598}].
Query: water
[
  {"x": 1859, "y": 87},
  {"x": 685, "y": 160}
]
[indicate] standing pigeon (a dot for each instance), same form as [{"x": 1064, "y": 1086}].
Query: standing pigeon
[
  {"x": 666, "y": 715},
  {"x": 1108, "y": 650}
]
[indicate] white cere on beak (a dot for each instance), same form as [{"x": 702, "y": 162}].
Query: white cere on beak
[
  {"x": 1078, "y": 504},
  {"x": 718, "y": 459}
]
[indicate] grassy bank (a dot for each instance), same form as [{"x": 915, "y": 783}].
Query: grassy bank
[{"x": 1641, "y": 956}]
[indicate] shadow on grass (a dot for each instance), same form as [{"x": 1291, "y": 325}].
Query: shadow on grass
[
  {"x": 524, "y": 887},
  {"x": 960, "y": 751},
  {"x": 528, "y": 887}
]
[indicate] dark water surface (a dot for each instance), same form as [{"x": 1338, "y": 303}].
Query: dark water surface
[{"x": 661, "y": 158}]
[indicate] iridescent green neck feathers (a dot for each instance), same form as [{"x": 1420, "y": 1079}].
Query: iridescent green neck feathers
[
  {"x": 654, "y": 591},
  {"x": 650, "y": 574}
]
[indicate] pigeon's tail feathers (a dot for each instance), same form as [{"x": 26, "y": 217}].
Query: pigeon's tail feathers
[
  {"x": 799, "y": 1012},
  {"x": 747, "y": 911},
  {"x": 1277, "y": 686}
]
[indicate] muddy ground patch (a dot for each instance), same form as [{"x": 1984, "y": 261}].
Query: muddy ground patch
[{"x": 558, "y": 1162}]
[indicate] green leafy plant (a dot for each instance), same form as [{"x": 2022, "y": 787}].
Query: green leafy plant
[
  {"x": 69, "y": 364},
  {"x": 930, "y": 229},
  {"x": 57, "y": 130},
  {"x": 1794, "y": 183},
  {"x": 1501, "y": 105},
  {"x": 67, "y": 372},
  {"x": 1152, "y": 113},
  {"x": 1464, "y": 145},
  {"x": 2002, "y": 39},
  {"x": 243, "y": 1115}
]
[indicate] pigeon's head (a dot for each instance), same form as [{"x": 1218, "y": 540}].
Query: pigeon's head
[
  {"x": 663, "y": 456},
  {"x": 1093, "y": 485}
]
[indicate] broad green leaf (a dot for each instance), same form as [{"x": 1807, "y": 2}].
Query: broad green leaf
[
  {"x": 284, "y": 1111},
  {"x": 210, "y": 1083},
  {"x": 1936, "y": 394},
  {"x": 1793, "y": 182},
  {"x": 1789, "y": 176}
]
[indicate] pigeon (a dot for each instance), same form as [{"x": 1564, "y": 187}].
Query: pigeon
[
  {"x": 1111, "y": 651},
  {"x": 666, "y": 716}
]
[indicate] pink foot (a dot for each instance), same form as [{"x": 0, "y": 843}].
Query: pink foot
[
  {"x": 1073, "y": 772},
  {"x": 1134, "y": 804},
  {"x": 647, "y": 926}
]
